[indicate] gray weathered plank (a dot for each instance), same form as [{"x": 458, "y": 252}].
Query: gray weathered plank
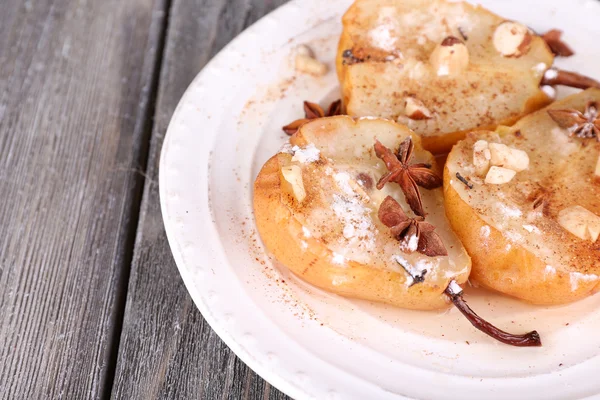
[
  {"x": 167, "y": 349},
  {"x": 75, "y": 79}
]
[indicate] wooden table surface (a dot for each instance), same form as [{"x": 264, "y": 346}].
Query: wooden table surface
[{"x": 91, "y": 302}]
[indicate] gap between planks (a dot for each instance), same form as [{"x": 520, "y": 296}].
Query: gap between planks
[{"x": 134, "y": 212}]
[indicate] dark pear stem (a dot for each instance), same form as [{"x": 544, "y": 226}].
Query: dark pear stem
[
  {"x": 527, "y": 340},
  {"x": 567, "y": 78},
  {"x": 557, "y": 46}
]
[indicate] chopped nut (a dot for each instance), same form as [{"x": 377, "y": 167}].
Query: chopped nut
[
  {"x": 512, "y": 39},
  {"x": 508, "y": 157},
  {"x": 306, "y": 62},
  {"x": 481, "y": 157},
  {"x": 594, "y": 228},
  {"x": 293, "y": 175},
  {"x": 597, "y": 172},
  {"x": 499, "y": 175},
  {"x": 580, "y": 222},
  {"x": 304, "y": 50},
  {"x": 415, "y": 109},
  {"x": 450, "y": 57}
]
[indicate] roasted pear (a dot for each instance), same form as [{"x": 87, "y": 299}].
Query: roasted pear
[
  {"x": 355, "y": 207},
  {"x": 443, "y": 68},
  {"x": 525, "y": 202}
]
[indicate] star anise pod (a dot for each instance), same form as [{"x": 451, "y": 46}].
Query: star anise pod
[
  {"x": 557, "y": 46},
  {"x": 313, "y": 111},
  {"x": 582, "y": 125},
  {"x": 414, "y": 234},
  {"x": 408, "y": 176}
]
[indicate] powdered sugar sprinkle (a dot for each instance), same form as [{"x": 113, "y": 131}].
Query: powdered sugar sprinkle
[
  {"x": 410, "y": 246},
  {"x": 307, "y": 154},
  {"x": 304, "y": 155},
  {"x": 551, "y": 74},
  {"x": 358, "y": 227},
  {"x": 575, "y": 278},
  {"x": 454, "y": 288},
  {"x": 485, "y": 231},
  {"x": 413, "y": 271}
]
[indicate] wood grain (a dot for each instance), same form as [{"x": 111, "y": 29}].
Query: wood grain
[
  {"x": 167, "y": 350},
  {"x": 75, "y": 90}
]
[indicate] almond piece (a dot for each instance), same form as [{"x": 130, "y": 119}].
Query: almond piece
[
  {"x": 580, "y": 222},
  {"x": 415, "y": 109},
  {"x": 450, "y": 57},
  {"x": 293, "y": 175},
  {"x": 597, "y": 172},
  {"x": 508, "y": 157},
  {"x": 307, "y": 63},
  {"x": 481, "y": 157},
  {"x": 512, "y": 39},
  {"x": 499, "y": 175}
]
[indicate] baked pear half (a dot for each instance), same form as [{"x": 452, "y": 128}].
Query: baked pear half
[
  {"x": 441, "y": 68},
  {"x": 355, "y": 207},
  {"x": 316, "y": 206},
  {"x": 525, "y": 202}
]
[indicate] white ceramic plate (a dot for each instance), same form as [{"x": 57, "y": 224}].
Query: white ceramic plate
[{"x": 306, "y": 342}]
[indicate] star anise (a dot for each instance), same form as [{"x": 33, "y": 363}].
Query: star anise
[
  {"x": 414, "y": 234},
  {"x": 408, "y": 176},
  {"x": 557, "y": 46},
  {"x": 582, "y": 125},
  {"x": 313, "y": 111}
]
